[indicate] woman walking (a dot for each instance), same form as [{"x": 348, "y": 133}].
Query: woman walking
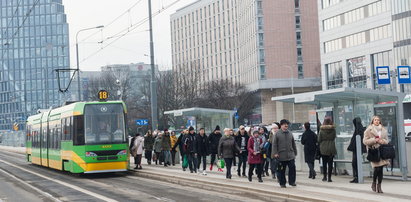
[
  {"x": 374, "y": 136},
  {"x": 157, "y": 149},
  {"x": 255, "y": 156},
  {"x": 309, "y": 140},
  {"x": 227, "y": 149},
  {"x": 326, "y": 140},
  {"x": 137, "y": 150}
]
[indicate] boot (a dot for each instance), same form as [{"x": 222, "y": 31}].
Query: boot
[
  {"x": 238, "y": 173},
  {"x": 266, "y": 173},
  {"x": 374, "y": 187},
  {"x": 314, "y": 174},
  {"x": 355, "y": 180},
  {"x": 379, "y": 190},
  {"x": 330, "y": 172},
  {"x": 250, "y": 178},
  {"x": 324, "y": 178},
  {"x": 260, "y": 179},
  {"x": 311, "y": 175}
]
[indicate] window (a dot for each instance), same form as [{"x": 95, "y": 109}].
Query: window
[
  {"x": 300, "y": 71},
  {"x": 357, "y": 75},
  {"x": 334, "y": 75}
]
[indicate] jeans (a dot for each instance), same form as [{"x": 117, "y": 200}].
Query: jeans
[
  {"x": 204, "y": 158},
  {"x": 291, "y": 172},
  {"x": 192, "y": 162},
  {"x": 267, "y": 164},
  {"x": 167, "y": 157},
  {"x": 327, "y": 160},
  {"x": 213, "y": 158},
  {"x": 173, "y": 157},
  {"x": 148, "y": 154},
  {"x": 259, "y": 170},
  {"x": 228, "y": 164},
  {"x": 242, "y": 161}
]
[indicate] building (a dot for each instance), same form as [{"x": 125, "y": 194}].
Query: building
[
  {"x": 355, "y": 37},
  {"x": 270, "y": 46},
  {"x": 34, "y": 42}
]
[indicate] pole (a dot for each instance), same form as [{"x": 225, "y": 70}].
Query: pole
[
  {"x": 154, "y": 113},
  {"x": 78, "y": 70},
  {"x": 358, "y": 152},
  {"x": 292, "y": 92}
]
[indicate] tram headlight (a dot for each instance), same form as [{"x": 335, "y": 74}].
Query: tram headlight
[
  {"x": 122, "y": 152},
  {"x": 91, "y": 154}
]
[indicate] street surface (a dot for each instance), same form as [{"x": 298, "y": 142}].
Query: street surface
[{"x": 22, "y": 181}]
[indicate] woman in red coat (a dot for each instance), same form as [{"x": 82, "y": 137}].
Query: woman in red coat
[{"x": 254, "y": 156}]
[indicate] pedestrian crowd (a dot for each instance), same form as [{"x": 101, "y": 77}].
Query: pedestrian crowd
[{"x": 266, "y": 152}]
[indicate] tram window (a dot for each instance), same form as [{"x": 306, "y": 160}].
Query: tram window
[
  {"x": 58, "y": 138},
  {"x": 69, "y": 125},
  {"x": 78, "y": 130}
]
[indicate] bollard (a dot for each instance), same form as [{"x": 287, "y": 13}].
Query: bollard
[{"x": 359, "y": 159}]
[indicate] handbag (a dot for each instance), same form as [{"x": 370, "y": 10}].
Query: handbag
[
  {"x": 221, "y": 164},
  {"x": 387, "y": 151},
  {"x": 373, "y": 154}
]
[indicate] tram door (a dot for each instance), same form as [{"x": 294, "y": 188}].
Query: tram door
[{"x": 388, "y": 117}]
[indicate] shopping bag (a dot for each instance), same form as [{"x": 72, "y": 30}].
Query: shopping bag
[
  {"x": 185, "y": 162},
  {"x": 221, "y": 163}
]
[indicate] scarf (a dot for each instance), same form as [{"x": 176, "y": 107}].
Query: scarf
[
  {"x": 377, "y": 129},
  {"x": 256, "y": 145}
]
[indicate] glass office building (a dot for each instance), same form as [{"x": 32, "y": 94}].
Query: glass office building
[
  {"x": 401, "y": 16},
  {"x": 34, "y": 43}
]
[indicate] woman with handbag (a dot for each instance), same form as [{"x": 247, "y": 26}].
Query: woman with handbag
[
  {"x": 227, "y": 148},
  {"x": 375, "y": 136},
  {"x": 326, "y": 140}
]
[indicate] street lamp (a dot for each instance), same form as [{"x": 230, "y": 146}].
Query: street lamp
[
  {"x": 78, "y": 66},
  {"x": 292, "y": 88}
]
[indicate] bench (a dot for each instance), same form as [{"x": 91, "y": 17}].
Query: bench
[{"x": 344, "y": 161}]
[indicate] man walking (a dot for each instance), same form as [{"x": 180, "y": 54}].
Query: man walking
[
  {"x": 242, "y": 141},
  {"x": 191, "y": 149},
  {"x": 166, "y": 147},
  {"x": 202, "y": 150},
  {"x": 285, "y": 150}
]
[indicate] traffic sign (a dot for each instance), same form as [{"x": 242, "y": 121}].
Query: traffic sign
[
  {"x": 404, "y": 74},
  {"x": 383, "y": 75},
  {"x": 142, "y": 122}
]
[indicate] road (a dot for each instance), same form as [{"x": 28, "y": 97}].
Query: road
[{"x": 22, "y": 181}]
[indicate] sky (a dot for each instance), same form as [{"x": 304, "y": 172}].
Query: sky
[{"x": 97, "y": 47}]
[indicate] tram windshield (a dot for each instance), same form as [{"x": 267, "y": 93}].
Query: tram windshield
[{"x": 104, "y": 124}]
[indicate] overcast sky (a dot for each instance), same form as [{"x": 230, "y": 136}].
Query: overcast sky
[{"x": 131, "y": 48}]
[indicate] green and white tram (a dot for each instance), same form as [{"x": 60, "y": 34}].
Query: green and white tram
[{"x": 82, "y": 137}]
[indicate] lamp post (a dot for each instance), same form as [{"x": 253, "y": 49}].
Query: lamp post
[
  {"x": 77, "y": 59},
  {"x": 292, "y": 88},
  {"x": 154, "y": 114}
]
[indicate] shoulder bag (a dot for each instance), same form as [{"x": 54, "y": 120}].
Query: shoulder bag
[
  {"x": 373, "y": 154},
  {"x": 387, "y": 151}
]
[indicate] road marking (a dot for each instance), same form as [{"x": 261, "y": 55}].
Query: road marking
[
  {"x": 101, "y": 197},
  {"x": 31, "y": 187}
]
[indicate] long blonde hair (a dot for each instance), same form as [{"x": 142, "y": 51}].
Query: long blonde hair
[{"x": 374, "y": 117}]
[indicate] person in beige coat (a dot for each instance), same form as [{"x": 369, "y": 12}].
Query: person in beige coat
[
  {"x": 137, "y": 150},
  {"x": 374, "y": 136}
]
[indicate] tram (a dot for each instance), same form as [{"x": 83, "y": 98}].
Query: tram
[{"x": 82, "y": 137}]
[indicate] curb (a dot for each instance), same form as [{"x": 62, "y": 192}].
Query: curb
[{"x": 228, "y": 189}]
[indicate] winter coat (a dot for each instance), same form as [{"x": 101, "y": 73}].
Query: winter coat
[
  {"x": 138, "y": 145},
  {"x": 166, "y": 142},
  {"x": 149, "y": 142},
  {"x": 359, "y": 130},
  {"x": 284, "y": 146},
  {"x": 309, "y": 140},
  {"x": 213, "y": 141},
  {"x": 253, "y": 159},
  {"x": 157, "y": 144},
  {"x": 132, "y": 144},
  {"x": 173, "y": 140},
  {"x": 179, "y": 144},
  {"x": 326, "y": 140},
  {"x": 227, "y": 148},
  {"x": 242, "y": 142},
  {"x": 202, "y": 145},
  {"x": 369, "y": 141},
  {"x": 190, "y": 146}
]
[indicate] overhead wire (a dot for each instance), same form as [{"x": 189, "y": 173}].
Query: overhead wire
[
  {"x": 6, "y": 31},
  {"x": 118, "y": 35}
]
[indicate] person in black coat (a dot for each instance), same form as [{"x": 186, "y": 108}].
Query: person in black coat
[
  {"x": 190, "y": 148},
  {"x": 202, "y": 149},
  {"x": 358, "y": 130},
  {"x": 180, "y": 145},
  {"x": 213, "y": 141},
  {"x": 241, "y": 140},
  {"x": 309, "y": 140}
]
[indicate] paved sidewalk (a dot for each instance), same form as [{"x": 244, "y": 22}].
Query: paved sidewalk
[{"x": 338, "y": 190}]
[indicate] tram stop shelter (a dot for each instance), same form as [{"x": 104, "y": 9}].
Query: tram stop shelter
[
  {"x": 344, "y": 104},
  {"x": 200, "y": 118}
]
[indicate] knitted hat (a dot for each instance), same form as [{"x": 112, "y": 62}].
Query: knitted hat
[
  {"x": 191, "y": 128},
  {"x": 217, "y": 128}
]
